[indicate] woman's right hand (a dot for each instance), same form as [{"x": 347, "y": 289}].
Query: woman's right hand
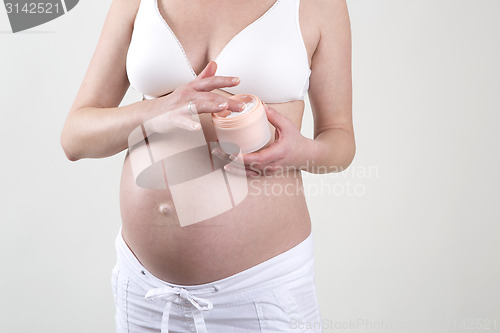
[
  {"x": 180, "y": 109},
  {"x": 175, "y": 110}
]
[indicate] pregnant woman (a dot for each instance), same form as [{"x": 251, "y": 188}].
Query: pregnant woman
[{"x": 250, "y": 268}]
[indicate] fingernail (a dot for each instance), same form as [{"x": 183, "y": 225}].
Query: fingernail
[
  {"x": 236, "y": 80},
  {"x": 241, "y": 106},
  {"x": 225, "y": 113},
  {"x": 222, "y": 106}
]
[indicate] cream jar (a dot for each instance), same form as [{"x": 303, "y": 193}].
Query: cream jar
[{"x": 249, "y": 129}]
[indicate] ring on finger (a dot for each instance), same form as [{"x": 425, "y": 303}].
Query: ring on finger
[{"x": 190, "y": 108}]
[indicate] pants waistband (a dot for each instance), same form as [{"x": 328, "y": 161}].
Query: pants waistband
[{"x": 290, "y": 265}]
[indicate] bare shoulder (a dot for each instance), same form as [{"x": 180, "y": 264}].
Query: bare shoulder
[
  {"x": 120, "y": 18},
  {"x": 121, "y": 14},
  {"x": 127, "y": 8},
  {"x": 334, "y": 15},
  {"x": 320, "y": 17},
  {"x": 106, "y": 71},
  {"x": 329, "y": 13}
]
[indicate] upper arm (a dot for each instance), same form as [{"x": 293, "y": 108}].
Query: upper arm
[
  {"x": 106, "y": 82},
  {"x": 330, "y": 87}
]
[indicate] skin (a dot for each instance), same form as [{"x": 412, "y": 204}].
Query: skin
[{"x": 264, "y": 224}]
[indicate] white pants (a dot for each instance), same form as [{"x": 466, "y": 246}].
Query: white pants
[{"x": 277, "y": 295}]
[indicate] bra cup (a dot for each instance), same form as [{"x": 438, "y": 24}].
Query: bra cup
[
  {"x": 267, "y": 56},
  {"x": 267, "y": 59},
  {"x": 155, "y": 63}
]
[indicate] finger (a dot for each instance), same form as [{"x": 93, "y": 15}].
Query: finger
[
  {"x": 272, "y": 169},
  {"x": 203, "y": 106},
  {"x": 276, "y": 134},
  {"x": 218, "y": 152},
  {"x": 208, "y": 71},
  {"x": 250, "y": 171},
  {"x": 235, "y": 170},
  {"x": 215, "y": 82},
  {"x": 276, "y": 119},
  {"x": 235, "y": 106},
  {"x": 185, "y": 123},
  {"x": 268, "y": 155},
  {"x": 232, "y": 104}
]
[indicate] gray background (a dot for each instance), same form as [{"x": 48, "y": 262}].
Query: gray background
[{"x": 410, "y": 235}]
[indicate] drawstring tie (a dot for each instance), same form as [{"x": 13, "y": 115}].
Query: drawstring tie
[{"x": 171, "y": 294}]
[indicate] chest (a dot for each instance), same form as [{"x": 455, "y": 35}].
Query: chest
[
  {"x": 262, "y": 42},
  {"x": 204, "y": 28}
]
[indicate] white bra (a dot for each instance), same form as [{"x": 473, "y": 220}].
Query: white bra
[{"x": 269, "y": 56}]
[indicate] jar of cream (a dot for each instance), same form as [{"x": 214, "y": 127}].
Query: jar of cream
[{"x": 249, "y": 129}]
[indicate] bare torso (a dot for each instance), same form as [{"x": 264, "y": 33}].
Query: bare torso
[{"x": 266, "y": 223}]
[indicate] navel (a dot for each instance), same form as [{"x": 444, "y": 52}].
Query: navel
[{"x": 166, "y": 208}]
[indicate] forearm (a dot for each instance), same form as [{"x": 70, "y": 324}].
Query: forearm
[
  {"x": 92, "y": 132},
  {"x": 332, "y": 150}
]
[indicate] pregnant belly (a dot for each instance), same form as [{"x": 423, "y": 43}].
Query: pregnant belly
[{"x": 272, "y": 218}]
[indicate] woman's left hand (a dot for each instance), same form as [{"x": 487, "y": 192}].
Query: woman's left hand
[{"x": 286, "y": 153}]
